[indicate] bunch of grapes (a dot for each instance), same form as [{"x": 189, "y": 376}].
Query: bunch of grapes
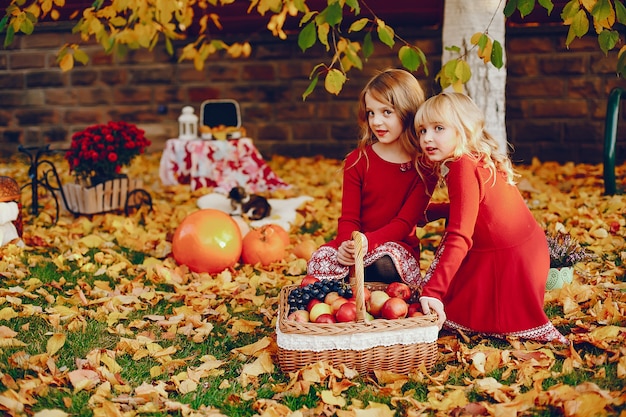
[{"x": 299, "y": 297}]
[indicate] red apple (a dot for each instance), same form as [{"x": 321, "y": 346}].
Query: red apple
[
  {"x": 415, "y": 309},
  {"x": 394, "y": 308},
  {"x": 346, "y": 313},
  {"x": 399, "y": 289},
  {"x": 301, "y": 316},
  {"x": 325, "y": 318},
  {"x": 308, "y": 279},
  {"x": 377, "y": 299},
  {"x": 311, "y": 303},
  {"x": 318, "y": 310}
]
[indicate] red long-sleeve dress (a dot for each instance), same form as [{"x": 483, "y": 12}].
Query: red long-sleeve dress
[
  {"x": 383, "y": 200},
  {"x": 491, "y": 267}
]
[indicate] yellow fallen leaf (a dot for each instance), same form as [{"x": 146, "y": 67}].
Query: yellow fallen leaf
[
  {"x": 55, "y": 343},
  {"x": 330, "y": 399},
  {"x": 51, "y": 413}
]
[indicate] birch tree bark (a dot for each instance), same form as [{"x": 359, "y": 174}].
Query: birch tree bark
[{"x": 461, "y": 19}]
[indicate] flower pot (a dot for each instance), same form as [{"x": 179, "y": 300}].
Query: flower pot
[
  {"x": 107, "y": 196},
  {"x": 557, "y": 277}
]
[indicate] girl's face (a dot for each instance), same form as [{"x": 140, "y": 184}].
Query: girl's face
[
  {"x": 383, "y": 120},
  {"x": 437, "y": 141}
]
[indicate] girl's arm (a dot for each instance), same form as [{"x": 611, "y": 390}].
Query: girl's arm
[
  {"x": 350, "y": 219},
  {"x": 464, "y": 190}
]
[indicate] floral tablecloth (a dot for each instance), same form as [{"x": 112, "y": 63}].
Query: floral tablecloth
[{"x": 221, "y": 164}]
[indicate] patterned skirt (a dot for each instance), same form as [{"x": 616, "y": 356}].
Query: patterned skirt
[{"x": 325, "y": 266}]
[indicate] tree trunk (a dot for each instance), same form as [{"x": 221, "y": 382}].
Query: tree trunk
[{"x": 461, "y": 19}]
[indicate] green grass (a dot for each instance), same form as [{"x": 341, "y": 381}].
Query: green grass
[{"x": 93, "y": 332}]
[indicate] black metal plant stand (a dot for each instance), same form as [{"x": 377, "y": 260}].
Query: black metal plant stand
[{"x": 50, "y": 180}]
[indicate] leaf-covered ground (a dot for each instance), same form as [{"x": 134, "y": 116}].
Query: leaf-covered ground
[{"x": 96, "y": 318}]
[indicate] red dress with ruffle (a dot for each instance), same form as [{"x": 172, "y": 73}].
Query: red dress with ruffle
[
  {"x": 383, "y": 200},
  {"x": 491, "y": 267}
]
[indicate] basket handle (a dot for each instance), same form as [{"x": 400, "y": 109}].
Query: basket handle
[{"x": 359, "y": 274}]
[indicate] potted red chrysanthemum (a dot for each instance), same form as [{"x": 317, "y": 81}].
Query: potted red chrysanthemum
[
  {"x": 96, "y": 156},
  {"x": 99, "y": 152}
]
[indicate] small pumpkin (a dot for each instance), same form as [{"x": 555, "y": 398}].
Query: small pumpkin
[
  {"x": 305, "y": 248},
  {"x": 263, "y": 245}
]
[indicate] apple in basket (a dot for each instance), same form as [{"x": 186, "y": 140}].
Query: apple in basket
[
  {"x": 337, "y": 303},
  {"x": 394, "y": 308},
  {"x": 415, "y": 310},
  {"x": 319, "y": 309},
  {"x": 346, "y": 313},
  {"x": 301, "y": 316},
  {"x": 325, "y": 318},
  {"x": 376, "y": 302},
  {"x": 308, "y": 279},
  {"x": 399, "y": 289},
  {"x": 311, "y": 303},
  {"x": 331, "y": 297}
]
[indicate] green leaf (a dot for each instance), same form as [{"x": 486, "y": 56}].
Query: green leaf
[
  {"x": 607, "y": 39},
  {"x": 81, "y": 56},
  {"x": 497, "y": 54},
  {"x": 482, "y": 42},
  {"x": 358, "y": 25},
  {"x": 322, "y": 34},
  {"x": 10, "y": 35},
  {"x": 368, "y": 45},
  {"x": 620, "y": 12},
  {"x": 353, "y": 56},
  {"x": 307, "y": 36},
  {"x": 580, "y": 24},
  {"x": 306, "y": 17},
  {"x": 449, "y": 69},
  {"x": 409, "y": 58},
  {"x": 310, "y": 88},
  {"x": 463, "y": 71},
  {"x": 354, "y": 5},
  {"x": 602, "y": 10},
  {"x": 525, "y": 7},
  {"x": 27, "y": 26},
  {"x": 385, "y": 34},
  {"x": 3, "y": 22},
  {"x": 548, "y": 5},
  {"x": 570, "y": 10},
  {"x": 510, "y": 8},
  {"x": 453, "y": 48},
  {"x": 423, "y": 60},
  {"x": 168, "y": 46},
  {"x": 334, "y": 81},
  {"x": 334, "y": 14}
]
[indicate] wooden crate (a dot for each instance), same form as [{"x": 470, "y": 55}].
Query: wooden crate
[{"x": 108, "y": 196}]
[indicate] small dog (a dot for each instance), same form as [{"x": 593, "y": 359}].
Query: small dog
[{"x": 253, "y": 206}]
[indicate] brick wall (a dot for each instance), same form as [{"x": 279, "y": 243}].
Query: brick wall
[{"x": 556, "y": 98}]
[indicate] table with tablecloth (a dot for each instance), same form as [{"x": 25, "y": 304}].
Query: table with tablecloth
[{"x": 221, "y": 164}]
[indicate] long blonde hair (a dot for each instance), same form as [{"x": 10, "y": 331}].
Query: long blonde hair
[
  {"x": 400, "y": 90},
  {"x": 459, "y": 111}
]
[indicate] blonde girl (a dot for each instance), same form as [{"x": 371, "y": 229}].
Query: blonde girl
[{"x": 490, "y": 269}]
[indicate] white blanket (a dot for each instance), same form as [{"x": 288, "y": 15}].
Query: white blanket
[{"x": 283, "y": 211}]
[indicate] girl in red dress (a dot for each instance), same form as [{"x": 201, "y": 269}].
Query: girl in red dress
[
  {"x": 383, "y": 195},
  {"x": 490, "y": 269}
]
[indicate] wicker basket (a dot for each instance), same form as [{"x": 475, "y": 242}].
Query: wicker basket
[{"x": 398, "y": 345}]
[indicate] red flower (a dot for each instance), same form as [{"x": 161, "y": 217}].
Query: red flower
[{"x": 102, "y": 150}]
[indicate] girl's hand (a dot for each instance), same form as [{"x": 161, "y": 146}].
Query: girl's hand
[
  {"x": 345, "y": 254},
  {"x": 436, "y": 305}
]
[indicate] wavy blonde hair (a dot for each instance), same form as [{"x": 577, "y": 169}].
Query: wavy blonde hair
[
  {"x": 459, "y": 111},
  {"x": 400, "y": 90}
]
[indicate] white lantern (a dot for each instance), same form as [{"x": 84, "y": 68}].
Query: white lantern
[{"x": 187, "y": 124}]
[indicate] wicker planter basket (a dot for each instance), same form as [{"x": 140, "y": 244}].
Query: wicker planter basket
[
  {"x": 398, "y": 345},
  {"x": 108, "y": 196}
]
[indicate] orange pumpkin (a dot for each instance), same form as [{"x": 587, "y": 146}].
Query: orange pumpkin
[
  {"x": 264, "y": 245},
  {"x": 207, "y": 241},
  {"x": 305, "y": 248},
  {"x": 284, "y": 235}
]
